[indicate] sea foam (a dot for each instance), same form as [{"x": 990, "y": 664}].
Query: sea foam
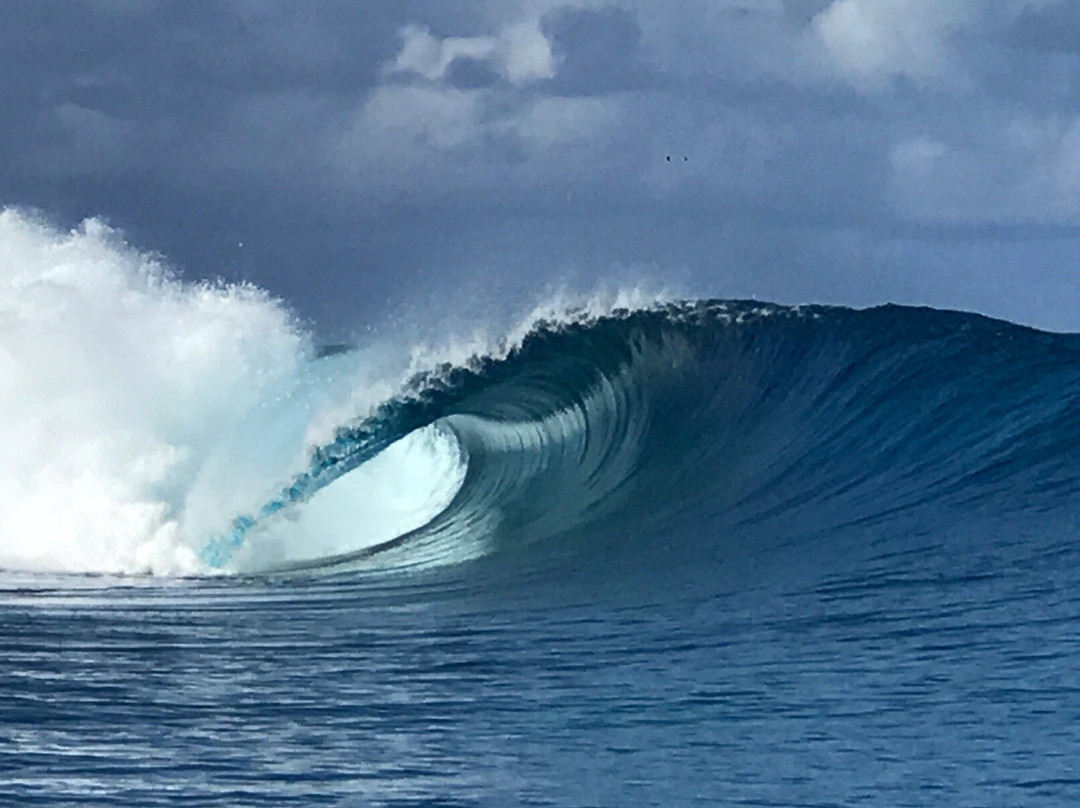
[{"x": 122, "y": 389}]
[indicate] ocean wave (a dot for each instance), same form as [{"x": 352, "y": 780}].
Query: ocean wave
[
  {"x": 722, "y": 414},
  {"x": 155, "y": 426}
]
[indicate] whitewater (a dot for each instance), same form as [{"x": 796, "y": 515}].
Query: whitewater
[{"x": 629, "y": 549}]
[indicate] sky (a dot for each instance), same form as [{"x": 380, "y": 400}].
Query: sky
[{"x": 367, "y": 161}]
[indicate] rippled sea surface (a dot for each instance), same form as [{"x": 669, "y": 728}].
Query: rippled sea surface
[{"x": 941, "y": 672}]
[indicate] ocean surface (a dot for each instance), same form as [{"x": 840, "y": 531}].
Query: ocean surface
[{"x": 629, "y": 552}]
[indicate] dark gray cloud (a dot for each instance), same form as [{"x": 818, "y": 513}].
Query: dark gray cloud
[
  {"x": 464, "y": 73},
  {"x": 597, "y": 50},
  {"x": 371, "y": 155},
  {"x": 1053, "y": 27}
]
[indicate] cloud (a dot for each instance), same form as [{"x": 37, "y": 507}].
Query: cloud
[
  {"x": 939, "y": 44},
  {"x": 525, "y": 53},
  {"x": 453, "y": 140},
  {"x": 520, "y": 53},
  {"x": 427, "y": 56},
  {"x": 452, "y": 102},
  {"x": 551, "y": 122},
  {"x": 439, "y": 118},
  {"x": 598, "y": 50},
  {"x": 1026, "y": 172},
  {"x": 872, "y": 42},
  {"x": 352, "y": 139},
  {"x": 1052, "y": 25}
]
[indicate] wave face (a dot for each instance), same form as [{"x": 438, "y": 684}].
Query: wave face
[{"x": 153, "y": 426}]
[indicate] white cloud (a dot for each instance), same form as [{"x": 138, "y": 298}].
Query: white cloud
[
  {"x": 519, "y": 52},
  {"x": 1025, "y": 172},
  {"x": 399, "y": 120},
  {"x": 525, "y": 53},
  {"x": 870, "y": 42},
  {"x": 448, "y": 139},
  {"x": 428, "y": 56},
  {"x": 404, "y": 129},
  {"x": 550, "y": 122}
]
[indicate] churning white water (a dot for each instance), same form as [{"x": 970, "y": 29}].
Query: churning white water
[{"x": 139, "y": 415}]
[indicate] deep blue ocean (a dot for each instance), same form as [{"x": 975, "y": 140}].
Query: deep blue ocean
[{"x": 703, "y": 553}]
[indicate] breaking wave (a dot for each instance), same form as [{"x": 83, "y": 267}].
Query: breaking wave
[{"x": 147, "y": 425}]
